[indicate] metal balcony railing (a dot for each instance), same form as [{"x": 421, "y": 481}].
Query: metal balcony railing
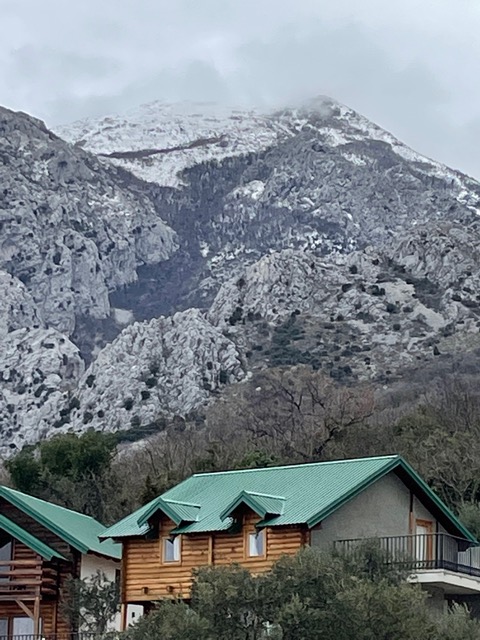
[
  {"x": 80, "y": 635},
  {"x": 422, "y": 552}
]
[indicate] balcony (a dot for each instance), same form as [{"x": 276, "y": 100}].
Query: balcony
[
  {"x": 423, "y": 552},
  {"x": 26, "y": 580},
  {"x": 436, "y": 559}
]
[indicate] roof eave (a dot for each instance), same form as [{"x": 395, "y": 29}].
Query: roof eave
[
  {"x": 115, "y": 558},
  {"x": 243, "y": 498},
  {"x": 160, "y": 505},
  {"x": 29, "y": 540},
  {"x": 45, "y": 522},
  {"x": 437, "y": 501}
]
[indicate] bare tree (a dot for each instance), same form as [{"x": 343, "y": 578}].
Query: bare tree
[{"x": 295, "y": 413}]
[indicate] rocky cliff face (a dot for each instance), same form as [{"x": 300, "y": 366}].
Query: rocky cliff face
[
  {"x": 167, "y": 366},
  {"x": 320, "y": 179},
  {"x": 38, "y": 367},
  {"x": 307, "y": 235},
  {"x": 369, "y": 315},
  {"x": 71, "y": 228}
]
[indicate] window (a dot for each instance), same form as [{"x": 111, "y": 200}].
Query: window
[
  {"x": 171, "y": 549},
  {"x": 23, "y": 626},
  {"x": 5, "y": 556},
  {"x": 256, "y": 543},
  {"x": 3, "y": 628}
]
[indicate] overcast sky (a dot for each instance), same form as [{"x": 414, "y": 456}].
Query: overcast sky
[{"x": 412, "y": 66}]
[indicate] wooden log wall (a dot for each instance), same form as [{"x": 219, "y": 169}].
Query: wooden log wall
[
  {"x": 147, "y": 577},
  {"x": 50, "y": 609}
]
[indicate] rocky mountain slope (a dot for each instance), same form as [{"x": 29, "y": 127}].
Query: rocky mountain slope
[
  {"x": 72, "y": 229},
  {"x": 201, "y": 243},
  {"x": 321, "y": 179}
]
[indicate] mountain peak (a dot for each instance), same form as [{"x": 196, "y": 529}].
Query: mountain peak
[{"x": 175, "y": 249}]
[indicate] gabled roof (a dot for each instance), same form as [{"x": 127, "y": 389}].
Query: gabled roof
[
  {"x": 28, "y": 539},
  {"x": 177, "y": 511},
  {"x": 307, "y": 493},
  {"x": 80, "y": 531},
  {"x": 261, "y": 503}
]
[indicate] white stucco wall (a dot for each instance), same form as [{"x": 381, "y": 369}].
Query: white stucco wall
[{"x": 90, "y": 564}]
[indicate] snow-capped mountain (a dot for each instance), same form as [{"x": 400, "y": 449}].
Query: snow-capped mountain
[
  {"x": 170, "y": 251},
  {"x": 321, "y": 179}
]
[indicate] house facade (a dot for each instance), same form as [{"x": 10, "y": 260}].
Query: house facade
[
  {"x": 41, "y": 546},
  {"x": 253, "y": 517}
]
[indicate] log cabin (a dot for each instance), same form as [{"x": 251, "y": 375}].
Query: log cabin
[
  {"x": 253, "y": 517},
  {"x": 41, "y": 545}
]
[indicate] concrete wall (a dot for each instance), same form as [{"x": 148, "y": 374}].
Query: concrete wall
[
  {"x": 90, "y": 565},
  {"x": 437, "y": 602},
  {"x": 381, "y": 510}
]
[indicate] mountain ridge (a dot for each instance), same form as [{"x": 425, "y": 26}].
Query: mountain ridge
[{"x": 303, "y": 236}]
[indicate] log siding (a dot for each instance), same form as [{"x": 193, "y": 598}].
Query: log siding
[{"x": 148, "y": 578}]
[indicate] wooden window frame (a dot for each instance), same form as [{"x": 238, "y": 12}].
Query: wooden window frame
[
  {"x": 163, "y": 540},
  {"x": 246, "y": 543}
]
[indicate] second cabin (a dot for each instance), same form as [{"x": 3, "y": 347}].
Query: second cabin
[{"x": 253, "y": 517}]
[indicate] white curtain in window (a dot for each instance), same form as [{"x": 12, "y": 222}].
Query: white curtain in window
[
  {"x": 172, "y": 549},
  {"x": 256, "y": 543}
]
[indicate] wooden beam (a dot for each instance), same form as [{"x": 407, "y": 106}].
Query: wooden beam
[
  {"x": 36, "y": 618},
  {"x": 123, "y": 616},
  {"x": 28, "y": 611},
  {"x": 210, "y": 549},
  {"x": 55, "y": 616},
  {"x": 123, "y": 588}
]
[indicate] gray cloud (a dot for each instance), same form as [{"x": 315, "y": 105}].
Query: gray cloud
[{"x": 408, "y": 65}]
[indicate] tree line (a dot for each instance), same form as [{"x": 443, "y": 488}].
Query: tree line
[
  {"x": 282, "y": 415},
  {"x": 311, "y": 596}
]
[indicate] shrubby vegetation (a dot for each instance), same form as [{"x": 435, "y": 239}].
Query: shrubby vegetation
[
  {"x": 307, "y": 597},
  {"x": 90, "y": 605},
  {"x": 74, "y": 471}
]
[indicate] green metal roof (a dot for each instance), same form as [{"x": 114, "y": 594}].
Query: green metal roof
[
  {"x": 80, "y": 531},
  {"x": 28, "y": 539},
  {"x": 309, "y": 493}
]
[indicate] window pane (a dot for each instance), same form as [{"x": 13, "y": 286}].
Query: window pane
[
  {"x": 171, "y": 549},
  {"x": 22, "y": 626},
  {"x": 5, "y": 555},
  {"x": 260, "y": 538},
  {"x": 3, "y": 627},
  {"x": 6, "y": 551}
]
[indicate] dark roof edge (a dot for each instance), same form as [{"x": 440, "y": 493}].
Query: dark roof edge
[{"x": 28, "y": 539}]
